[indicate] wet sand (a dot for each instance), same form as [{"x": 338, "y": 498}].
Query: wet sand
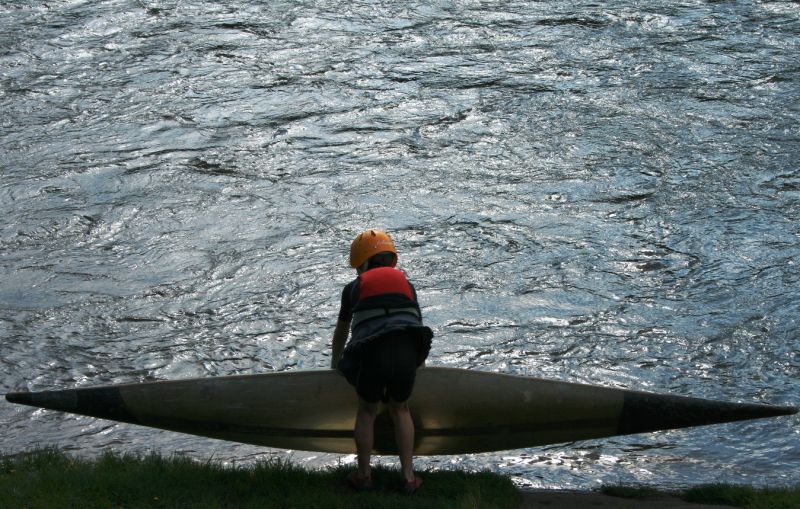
[{"x": 533, "y": 499}]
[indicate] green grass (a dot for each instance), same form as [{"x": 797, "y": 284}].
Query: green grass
[
  {"x": 639, "y": 493},
  {"x": 723, "y": 494},
  {"x": 51, "y": 479}
]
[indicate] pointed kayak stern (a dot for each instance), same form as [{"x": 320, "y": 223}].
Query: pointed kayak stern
[
  {"x": 644, "y": 412},
  {"x": 101, "y": 402}
]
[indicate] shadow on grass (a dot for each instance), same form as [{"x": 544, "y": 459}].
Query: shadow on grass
[
  {"x": 720, "y": 494},
  {"x": 745, "y": 496}
]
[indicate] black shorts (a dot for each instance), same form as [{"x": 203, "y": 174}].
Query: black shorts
[{"x": 388, "y": 368}]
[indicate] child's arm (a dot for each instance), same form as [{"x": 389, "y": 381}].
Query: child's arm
[{"x": 340, "y": 334}]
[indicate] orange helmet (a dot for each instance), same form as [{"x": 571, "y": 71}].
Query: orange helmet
[{"x": 368, "y": 244}]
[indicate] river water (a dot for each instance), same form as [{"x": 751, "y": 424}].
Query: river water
[{"x": 599, "y": 193}]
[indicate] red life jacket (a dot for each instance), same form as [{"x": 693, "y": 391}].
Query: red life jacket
[
  {"x": 381, "y": 281},
  {"x": 384, "y": 302},
  {"x": 384, "y": 292}
]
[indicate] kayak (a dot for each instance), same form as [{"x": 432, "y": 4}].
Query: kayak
[{"x": 455, "y": 411}]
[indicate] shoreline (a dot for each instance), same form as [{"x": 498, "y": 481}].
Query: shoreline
[{"x": 568, "y": 499}]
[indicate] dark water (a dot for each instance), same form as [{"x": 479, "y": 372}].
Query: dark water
[{"x": 597, "y": 193}]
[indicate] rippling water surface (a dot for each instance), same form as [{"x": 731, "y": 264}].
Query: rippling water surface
[{"x": 601, "y": 193}]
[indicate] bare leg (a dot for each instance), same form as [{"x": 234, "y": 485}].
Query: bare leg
[
  {"x": 364, "y": 435},
  {"x": 403, "y": 436}
]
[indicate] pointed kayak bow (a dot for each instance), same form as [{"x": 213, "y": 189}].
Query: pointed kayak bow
[{"x": 455, "y": 411}]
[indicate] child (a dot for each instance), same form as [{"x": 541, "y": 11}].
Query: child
[{"x": 388, "y": 343}]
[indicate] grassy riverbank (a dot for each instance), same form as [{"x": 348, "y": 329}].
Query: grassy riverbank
[{"x": 51, "y": 479}]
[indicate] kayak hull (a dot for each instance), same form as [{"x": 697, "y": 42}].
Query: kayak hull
[{"x": 455, "y": 411}]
